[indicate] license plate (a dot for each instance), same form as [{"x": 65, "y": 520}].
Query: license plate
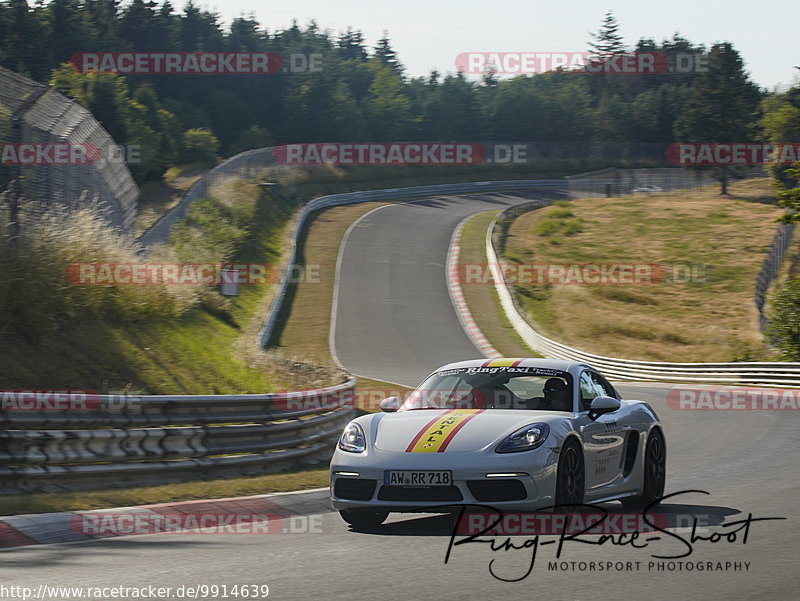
[{"x": 418, "y": 478}]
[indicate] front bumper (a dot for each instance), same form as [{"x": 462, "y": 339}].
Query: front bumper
[{"x": 357, "y": 480}]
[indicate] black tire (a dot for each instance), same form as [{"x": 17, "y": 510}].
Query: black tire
[
  {"x": 363, "y": 519},
  {"x": 655, "y": 472},
  {"x": 570, "y": 476}
]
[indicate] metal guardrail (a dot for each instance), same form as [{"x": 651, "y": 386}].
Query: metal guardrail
[
  {"x": 113, "y": 440},
  {"x": 740, "y": 373},
  {"x": 617, "y": 182}
]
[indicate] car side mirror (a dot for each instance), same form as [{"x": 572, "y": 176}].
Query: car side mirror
[
  {"x": 390, "y": 404},
  {"x": 602, "y": 405}
]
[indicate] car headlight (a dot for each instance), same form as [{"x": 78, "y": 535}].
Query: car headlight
[
  {"x": 352, "y": 439},
  {"x": 524, "y": 439}
]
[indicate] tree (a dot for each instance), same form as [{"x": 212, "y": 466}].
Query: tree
[
  {"x": 607, "y": 42},
  {"x": 784, "y": 325},
  {"x": 199, "y": 30},
  {"x": 199, "y": 146},
  {"x": 104, "y": 21},
  {"x": 386, "y": 55},
  {"x": 789, "y": 194},
  {"x": 723, "y": 106},
  {"x": 69, "y": 30},
  {"x": 254, "y": 137},
  {"x": 347, "y": 118},
  {"x": 22, "y": 40},
  {"x": 516, "y": 110},
  {"x": 245, "y": 35},
  {"x": 781, "y": 124},
  {"x": 453, "y": 112},
  {"x": 388, "y": 107},
  {"x": 351, "y": 45},
  {"x": 137, "y": 25}
]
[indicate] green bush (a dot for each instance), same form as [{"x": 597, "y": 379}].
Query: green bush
[
  {"x": 784, "y": 326},
  {"x": 199, "y": 146},
  {"x": 37, "y": 293}
]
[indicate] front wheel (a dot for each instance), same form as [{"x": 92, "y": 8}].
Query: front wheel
[
  {"x": 570, "y": 476},
  {"x": 655, "y": 472},
  {"x": 363, "y": 519}
]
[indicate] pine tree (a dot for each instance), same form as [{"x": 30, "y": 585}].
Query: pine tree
[
  {"x": 22, "y": 41},
  {"x": 69, "y": 30},
  {"x": 607, "y": 42},
  {"x": 387, "y": 56},
  {"x": 350, "y": 45},
  {"x": 723, "y": 106}
]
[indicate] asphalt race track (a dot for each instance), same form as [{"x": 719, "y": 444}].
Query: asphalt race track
[{"x": 394, "y": 322}]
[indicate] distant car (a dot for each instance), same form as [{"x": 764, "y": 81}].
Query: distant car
[
  {"x": 648, "y": 189},
  {"x": 521, "y": 434}
]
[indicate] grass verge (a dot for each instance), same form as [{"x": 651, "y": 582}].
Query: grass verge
[
  {"x": 133, "y": 338},
  {"x": 145, "y": 495},
  {"x": 482, "y": 299},
  {"x": 305, "y": 329},
  {"x": 705, "y": 313}
]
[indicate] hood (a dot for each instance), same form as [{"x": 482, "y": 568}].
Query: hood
[{"x": 439, "y": 431}]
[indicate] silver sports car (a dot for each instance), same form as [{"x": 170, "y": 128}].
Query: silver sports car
[{"x": 517, "y": 434}]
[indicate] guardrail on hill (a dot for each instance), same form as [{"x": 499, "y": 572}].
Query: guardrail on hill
[
  {"x": 616, "y": 182},
  {"x": 740, "y": 373},
  {"x": 107, "y": 441}
]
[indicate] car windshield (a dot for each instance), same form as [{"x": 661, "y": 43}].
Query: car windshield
[{"x": 524, "y": 388}]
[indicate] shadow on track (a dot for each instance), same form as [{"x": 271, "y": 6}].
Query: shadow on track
[{"x": 670, "y": 515}]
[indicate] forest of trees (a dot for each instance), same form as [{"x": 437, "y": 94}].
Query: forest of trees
[{"x": 364, "y": 94}]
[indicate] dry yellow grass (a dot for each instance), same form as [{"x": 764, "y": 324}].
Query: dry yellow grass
[
  {"x": 712, "y": 318},
  {"x": 305, "y": 333},
  {"x": 164, "y": 493},
  {"x": 482, "y": 298}
]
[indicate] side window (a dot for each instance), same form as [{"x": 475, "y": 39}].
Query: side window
[
  {"x": 602, "y": 384},
  {"x": 588, "y": 390}
]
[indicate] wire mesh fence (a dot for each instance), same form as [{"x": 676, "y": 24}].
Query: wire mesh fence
[{"x": 33, "y": 114}]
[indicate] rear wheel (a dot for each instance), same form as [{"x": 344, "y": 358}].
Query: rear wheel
[
  {"x": 570, "y": 476},
  {"x": 655, "y": 472},
  {"x": 363, "y": 519}
]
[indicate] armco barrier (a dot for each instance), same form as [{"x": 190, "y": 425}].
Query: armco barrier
[
  {"x": 744, "y": 373},
  {"x": 155, "y": 439}
]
